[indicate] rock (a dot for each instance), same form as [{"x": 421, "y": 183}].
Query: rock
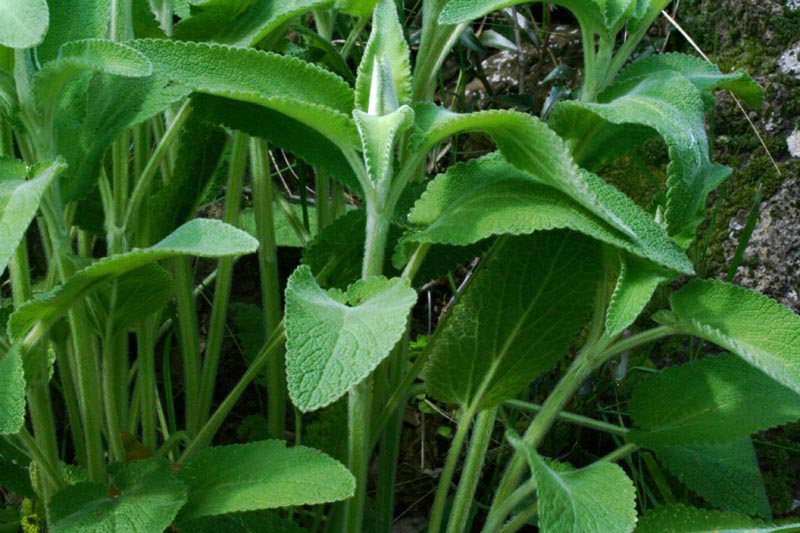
[
  {"x": 789, "y": 61},
  {"x": 793, "y": 142},
  {"x": 771, "y": 263}
]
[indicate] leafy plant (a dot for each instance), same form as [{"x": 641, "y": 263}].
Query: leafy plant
[{"x": 117, "y": 124}]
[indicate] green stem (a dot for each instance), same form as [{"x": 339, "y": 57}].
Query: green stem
[
  {"x": 578, "y": 420},
  {"x": 203, "y": 437},
  {"x": 351, "y": 39},
  {"x": 146, "y": 378},
  {"x": 172, "y": 443},
  {"x": 473, "y": 465},
  {"x": 446, "y": 477},
  {"x": 524, "y": 492},
  {"x": 48, "y": 468},
  {"x": 142, "y": 188},
  {"x": 222, "y": 288},
  {"x": 188, "y": 340},
  {"x": 521, "y": 520},
  {"x": 110, "y": 383},
  {"x": 121, "y": 28},
  {"x": 619, "y": 454},
  {"x": 270, "y": 284}
]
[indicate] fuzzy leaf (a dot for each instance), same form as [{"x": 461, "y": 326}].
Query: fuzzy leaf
[
  {"x": 664, "y": 101},
  {"x": 637, "y": 282},
  {"x": 335, "y": 339},
  {"x": 285, "y": 235},
  {"x": 261, "y": 475},
  {"x": 726, "y": 475},
  {"x": 23, "y": 23},
  {"x": 19, "y": 201},
  {"x": 358, "y": 8},
  {"x": 12, "y": 392},
  {"x": 704, "y": 75},
  {"x": 242, "y": 23},
  {"x": 714, "y": 400},
  {"x": 386, "y": 48},
  {"x": 149, "y": 499},
  {"x": 106, "y": 56},
  {"x": 747, "y": 323},
  {"x": 516, "y": 320},
  {"x": 599, "y": 498},
  {"x": 338, "y": 250},
  {"x": 141, "y": 293},
  {"x": 683, "y": 519},
  {"x": 489, "y": 196},
  {"x": 281, "y": 131},
  {"x": 199, "y": 237},
  {"x": 73, "y": 20},
  {"x": 378, "y": 137},
  {"x": 530, "y": 145}
]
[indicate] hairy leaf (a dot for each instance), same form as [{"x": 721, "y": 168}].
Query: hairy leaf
[
  {"x": 516, "y": 320},
  {"x": 199, "y": 237},
  {"x": 599, "y": 498},
  {"x": 12, "y": 392},
  {"x": 489, "y": 196},
  {"x": 669, "y": 103},
  {"x": 149, "y": 498},
  {"x": 386, "y": 49},
  {"x": 107, "y": 56},
  {"x": 714, "y": 400},
  {"x": 637, "y": 282},
  {"x": 704, "y": 75},
  {"x": 261, "y": 475},
  {"x": 73, "y": 20},
  {"x": 530, "y": 145},
  {"x": 751, "y": 325},
  {"x": 23, "y": 23},
  {"x": 19, "y": 201},
  {"x": 726, "y": 475},
  {"x": 683, "y": 519},
  {"x": 359, "y": 8},
  {"x": 242, "y": 23},
  {"x": 285, "y": 234},
  {"x": 378, "y": 137},
  {"x": 335, "y": 339},
  {"x": 282, "y": 131},
  {"x": 139, "y": 294},
  {"x": 338, "y": 250}
]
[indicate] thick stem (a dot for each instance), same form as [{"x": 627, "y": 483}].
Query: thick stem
[
  {"x": 110, "y": 383},
  {"x": 578, "y": 420},
  {"x": 222, "y": 288},
  {"x": 146, "y": 378},
  {"x": 270, "y": 284},
  {"x": 446, "y": 477},
  {"x": 473, "y": 465}
]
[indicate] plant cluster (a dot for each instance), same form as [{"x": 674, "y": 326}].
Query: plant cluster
[{"x": 120, "y": 120}]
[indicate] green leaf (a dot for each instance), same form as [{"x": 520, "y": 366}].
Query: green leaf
[
  {"x": 261, "y": 475},
  {"x": 704, "y": 75},
  {"x": 335, "y": 339},
  {"x": 285, "y": 234},
  {"x": 726, "y": 475},
  {"x": 252, "y": 522},
  {"x": 489, "y": 196},
  {"x": 636, "y": 284},
  {"x": 338, "y": 250},
  {"x": 386, "y": 49},
  {"x": 149, "y": 499},
  {"x": 714, "y": 400},
  {"x": 599, "y": 498},
  {"x": 358, "y": 8},
  {"x": 12, "y": 392},
  {"x": 669, "y": 103},
  {"x": 199, "y": 237},
  {"x": 24, "y": 22},
  {"x": 73, "y": 20},
  {"x": 106, "y": 56},
  {"x": 682, "y": 519},
  {"x": 15, "y": 475},
  {"x": 19, "y": 201},
  {"x": 139, "y": 294},
  {"x": 242, "y": 22},
  {"x": 516, "y": 320},
  {"x": 530, "y": 145},
  {"x": 281, "y": 131},
  {"x": 751, "y": 325},
  {"x": 378, "y": 137}
]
